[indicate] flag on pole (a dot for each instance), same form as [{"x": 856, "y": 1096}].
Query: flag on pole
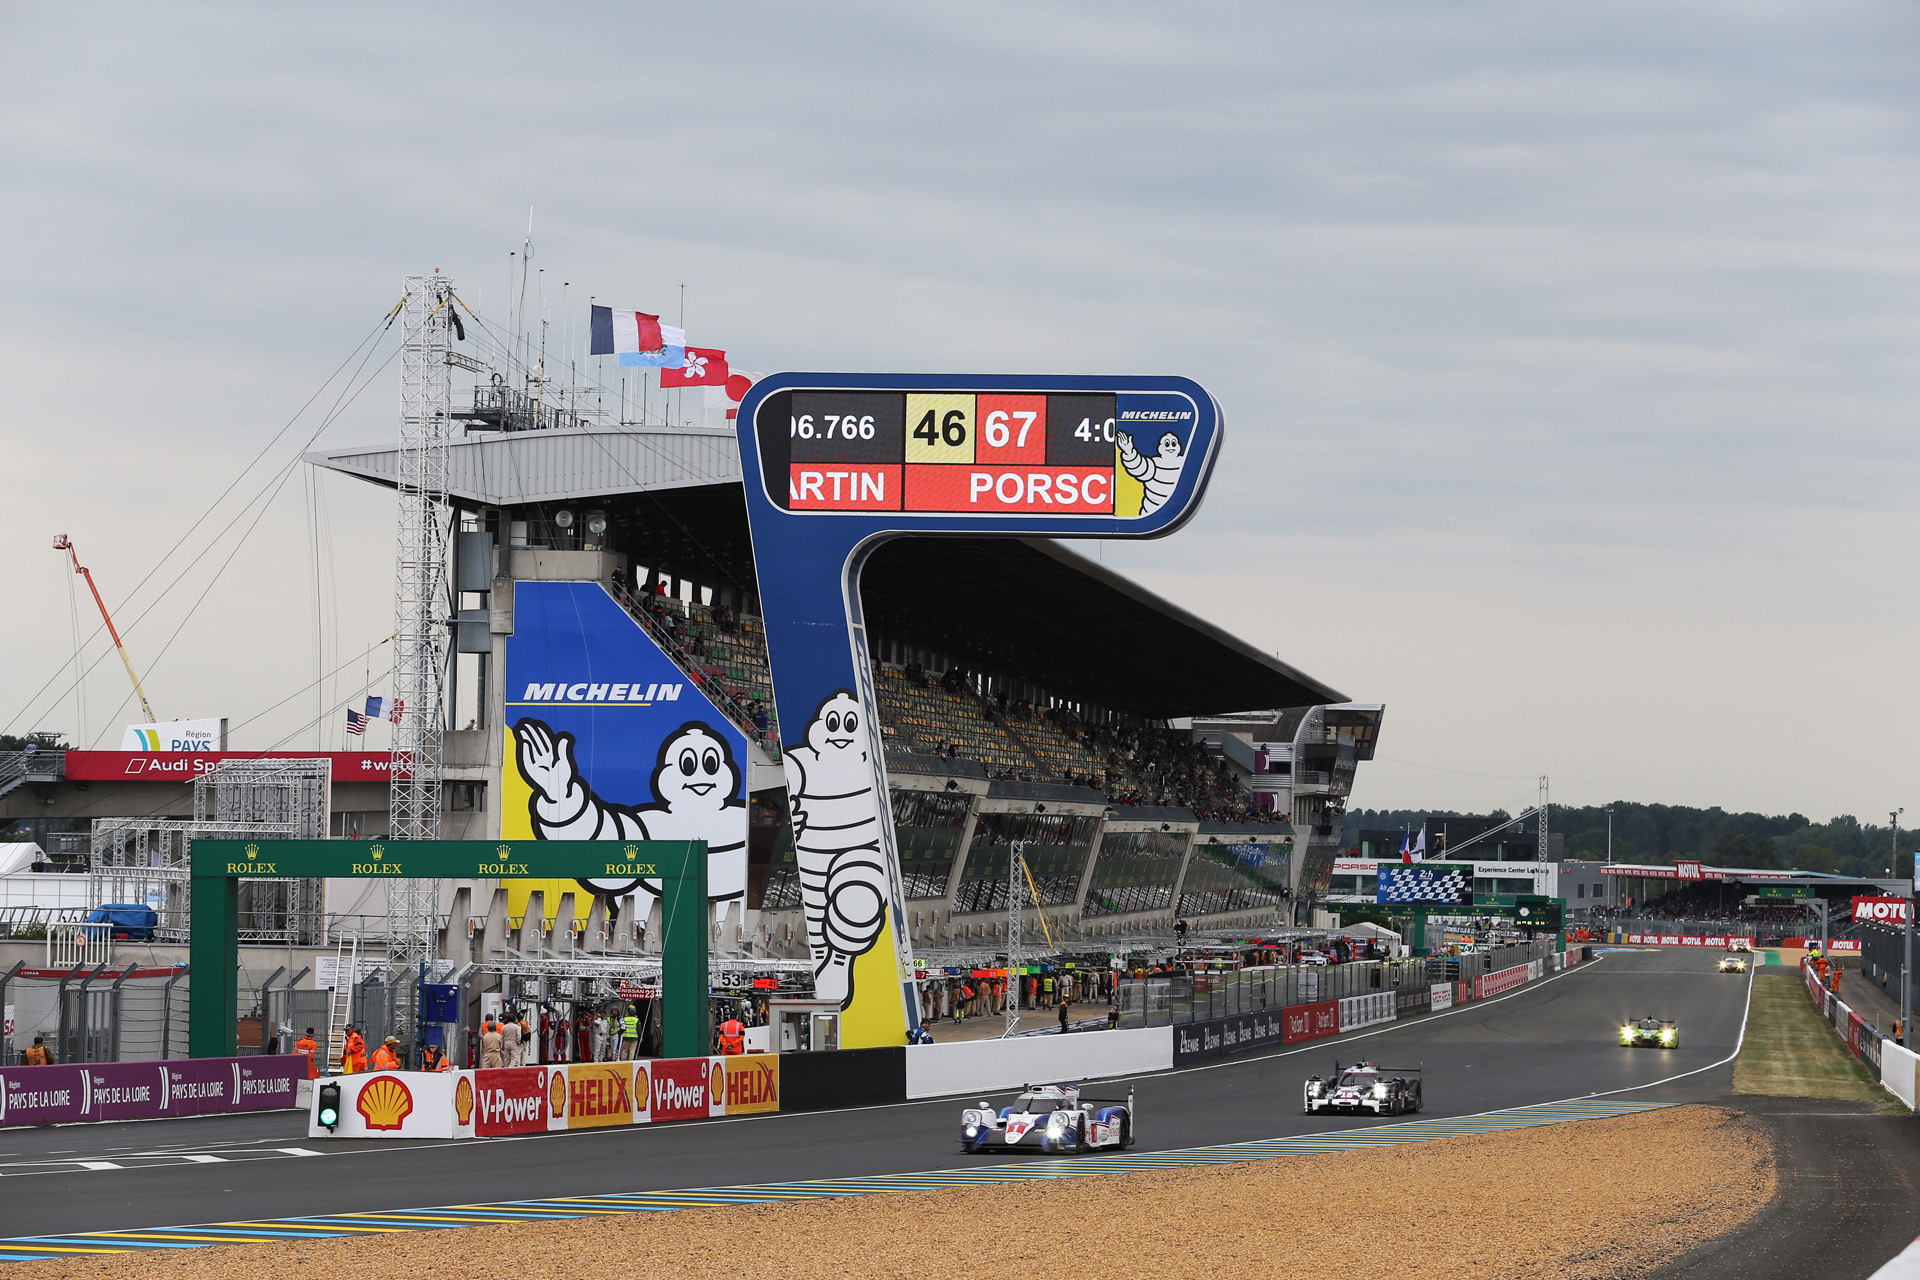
[
  {"x": 376, "y": 708},
  {"x": 704, "y": 367},
  {"x": 1420, "y": 846},
  {"x": 735, "y": 390},
  {"x": 670, "y": 354},
  {"x": 399, "y": 705},
  {"x": 1406, "y": 849},
  {"x": 356, "y": 723},
  {"x": 616, "y": 333}
]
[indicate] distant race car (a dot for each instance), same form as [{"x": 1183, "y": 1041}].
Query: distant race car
[
  {"x": 1651, "y": 1031},
  {"x": 1365, "y": 1086},
  {"x": 1050, "y": 1117},
  {"x": 1739, "y": 944},
  {"x": 1733, "y": 964}
]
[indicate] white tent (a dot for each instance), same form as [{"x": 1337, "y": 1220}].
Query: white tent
[{"x": 1375, "y": 933}]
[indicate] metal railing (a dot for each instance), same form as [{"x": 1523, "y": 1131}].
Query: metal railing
[{"x": 72, "y": 944}]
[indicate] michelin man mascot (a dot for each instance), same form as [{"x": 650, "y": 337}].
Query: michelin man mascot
[
  {"x": 844, "y": 886},
  {"x": 1159, "y": 473},
  {"x": 696, "y": 796}
]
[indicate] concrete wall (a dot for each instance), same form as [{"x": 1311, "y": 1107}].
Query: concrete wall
[{"x": 985, "y": 1066}]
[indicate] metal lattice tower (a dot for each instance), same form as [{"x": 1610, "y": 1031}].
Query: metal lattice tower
[
  {"x": 419, "y": 612},
  {"x": 1546, "y": 853}
]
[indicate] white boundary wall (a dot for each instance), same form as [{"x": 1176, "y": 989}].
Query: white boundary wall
[
  {"x": 987, "y": 1066},
  {"x": 1897, "y": 1072}
]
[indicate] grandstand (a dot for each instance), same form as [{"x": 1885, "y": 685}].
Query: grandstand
[{"x": 1026, "y": 693}]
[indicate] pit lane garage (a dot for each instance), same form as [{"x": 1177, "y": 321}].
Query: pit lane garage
[
  {"x": 1365, "y": 1086},
  {"x": 1050, "y": 1118}
]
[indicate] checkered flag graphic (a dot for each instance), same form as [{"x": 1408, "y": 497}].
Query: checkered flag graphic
[{"x": 1425, "y": 884}]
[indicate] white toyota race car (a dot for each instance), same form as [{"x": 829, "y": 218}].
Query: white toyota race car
[
  {"x": 1365, "y": 1086},
  {"x": 1050, "y": 1117}
]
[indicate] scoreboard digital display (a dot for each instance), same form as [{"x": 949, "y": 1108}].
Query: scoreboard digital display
[{"x": 972, "y": 452}]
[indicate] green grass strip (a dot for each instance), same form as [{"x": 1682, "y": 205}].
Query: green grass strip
[{"x": 1792, "y": 1052}]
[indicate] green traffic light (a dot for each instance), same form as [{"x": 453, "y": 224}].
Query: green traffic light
[{"x": 329, "y": 1117}]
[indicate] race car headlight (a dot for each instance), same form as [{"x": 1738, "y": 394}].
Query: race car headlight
[
  {"x": 971, "y": 1119},
  {"x": 1380, "y": 1090},
  {"x": 1056, "y": 1125},
  {"x": 1315, "y": 1088},
  {"x": 1626, "y": 1031},
  {"x": 1667, "y": 1036},
  {"x": 972, "y": 1131}
]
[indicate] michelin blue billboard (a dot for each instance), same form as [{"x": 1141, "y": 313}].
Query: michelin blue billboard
[{"x": 607, "y": 739}]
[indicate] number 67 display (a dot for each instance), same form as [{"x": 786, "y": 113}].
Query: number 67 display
[{"x": 836, "y": 464}]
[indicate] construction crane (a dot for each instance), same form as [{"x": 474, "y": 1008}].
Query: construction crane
[{"x": 62, "y": 543}]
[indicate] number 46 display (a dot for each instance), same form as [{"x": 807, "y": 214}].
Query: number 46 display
[{"x": 865, "y": 458}]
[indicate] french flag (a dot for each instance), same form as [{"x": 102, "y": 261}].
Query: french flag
[{"x": 638, "y": 339}]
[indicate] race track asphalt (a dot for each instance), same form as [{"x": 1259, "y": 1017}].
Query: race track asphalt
[{"x": 1548, "y": 1041}]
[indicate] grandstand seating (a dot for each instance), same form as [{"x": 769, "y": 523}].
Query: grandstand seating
[{"x": 727, "y": 656}]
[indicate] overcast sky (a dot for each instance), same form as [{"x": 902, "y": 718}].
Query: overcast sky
[{"x": 1567, "y": 352}]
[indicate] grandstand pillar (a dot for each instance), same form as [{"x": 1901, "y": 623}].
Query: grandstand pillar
[{"x": 960, "y": 856}]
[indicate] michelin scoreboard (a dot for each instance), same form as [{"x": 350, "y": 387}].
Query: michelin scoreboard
[
  {"x": 835, "y": 465},
  {"x": 1059, "y": 453}
]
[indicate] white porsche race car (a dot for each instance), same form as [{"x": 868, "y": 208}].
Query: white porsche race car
[
  {"x": 1366, "y": 1086},
  {"x": 1050, "y": 1117}
]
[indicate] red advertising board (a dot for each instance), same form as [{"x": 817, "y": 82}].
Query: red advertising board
[
  {"x": 1683, "y": 940},
  {"x": 1836, "y": 945},
  {"x": 1492, "y": 984},
  {"x": 510, "y": 1100},
  {"x": 1462, "y": 991},
  {"x": 680, "y": 1088},
  {"x": 1880, "y": 910},
  {"x": 1310, "y": 1021},
  {"x": 185, "y": 766}
]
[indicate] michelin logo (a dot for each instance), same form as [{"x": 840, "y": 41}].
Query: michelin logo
[{"x": 584, "y": 692}]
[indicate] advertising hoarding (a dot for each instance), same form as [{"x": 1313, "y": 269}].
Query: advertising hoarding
[
  {"x": 177, "y": 735},
  {"x": 92, "y": 1092},
  {"x": 183, "y": 766},
  {"x": 681, "y": 1088},
  {"x": 607, "y": 739},
  {"x": 510, "y": 1100},
  {"x": 600, "y": 1094},
  {"x": 751, "y": 1083}
]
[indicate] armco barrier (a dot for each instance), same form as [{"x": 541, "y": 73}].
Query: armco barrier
[
  {"x": 975, "y": 1066},
  {"x": 1366, "y": 1011},
  {"x": 845, "y": 1078},
  {"x": 97, "y": 1091},
  {"x": 1440, "y": 996}
]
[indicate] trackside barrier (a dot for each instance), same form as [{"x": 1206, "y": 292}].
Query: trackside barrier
[
  {"x": 982, "y": 1066},
  {"x": 518, "y": 1100},
  {"x": 1366, "y": 1011},
  {"x": 88, "y": 1093},
  {"x": 503, "y": 1101},
  {"x": 1887, "y": 1062},
  {"x": 1677, "y": 939}
]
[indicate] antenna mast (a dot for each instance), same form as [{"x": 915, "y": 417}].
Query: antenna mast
[
  {"x": 62, "y": 543},
  {"x": 419, "y": 616}
]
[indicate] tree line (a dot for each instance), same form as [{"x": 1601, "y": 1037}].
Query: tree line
[{"x": 1664, "y": 833}]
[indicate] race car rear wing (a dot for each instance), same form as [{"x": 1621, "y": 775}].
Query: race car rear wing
[{"x": 1094, "y": 1097}]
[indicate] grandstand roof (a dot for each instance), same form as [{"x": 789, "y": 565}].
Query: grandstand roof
[{"x": 1030, "y": 607}]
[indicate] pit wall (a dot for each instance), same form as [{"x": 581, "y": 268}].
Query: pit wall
[
  {"x": 521, "y": 1100},
  {"x": 1889, "y": 1063}
]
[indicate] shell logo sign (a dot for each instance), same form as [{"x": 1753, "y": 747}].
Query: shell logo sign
[
  {"x": 385, "y": 1102},
  {"x": 463, "y": 1101},
  {"x": 557, "y": 1094}
]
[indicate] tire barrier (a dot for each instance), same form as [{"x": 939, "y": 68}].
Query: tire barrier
[{"x": 92, "y": 1092}]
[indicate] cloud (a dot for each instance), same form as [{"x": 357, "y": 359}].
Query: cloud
[{"x": 1566, "y": 352}]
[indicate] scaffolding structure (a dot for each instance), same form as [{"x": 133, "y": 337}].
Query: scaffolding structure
[
  {"x": 147, "y": 861},
  {"x": 420, "y": 613}
]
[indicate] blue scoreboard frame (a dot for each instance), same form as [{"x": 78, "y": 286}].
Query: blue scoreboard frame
[{"x": 834, "y": 465}]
